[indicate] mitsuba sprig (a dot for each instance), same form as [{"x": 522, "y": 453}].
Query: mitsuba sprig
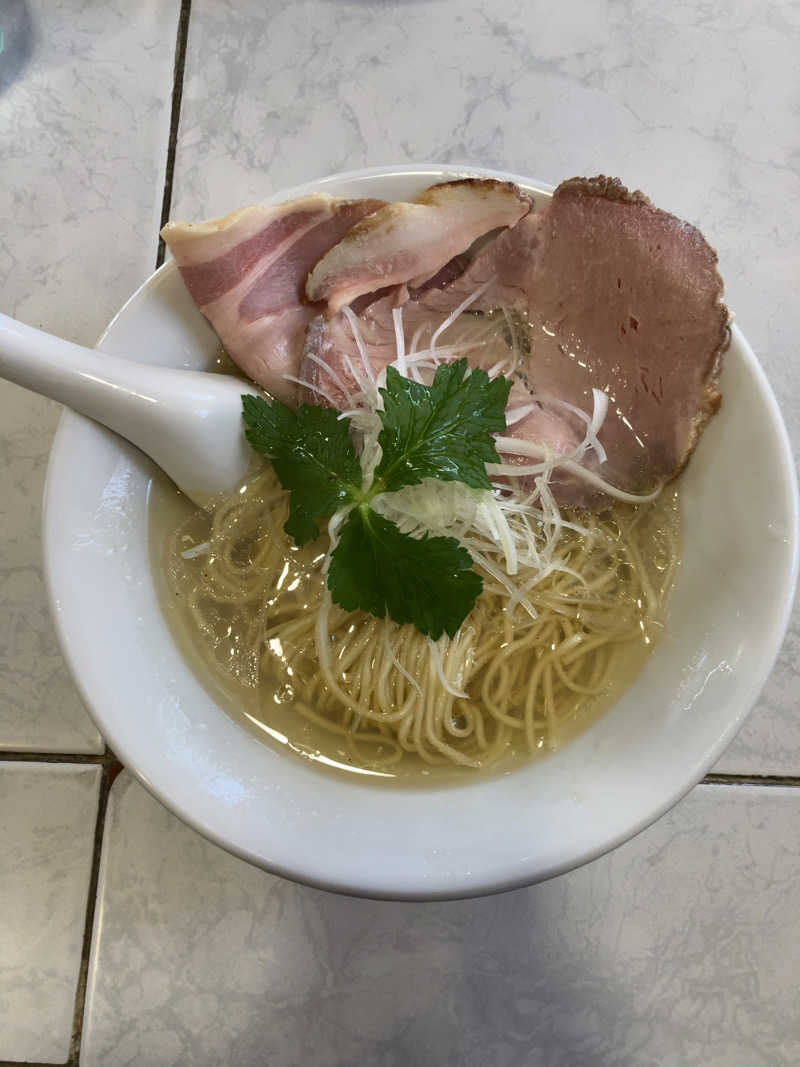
[{"x": 442, "y": 431}]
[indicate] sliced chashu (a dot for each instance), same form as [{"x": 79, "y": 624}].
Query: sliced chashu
[
  {"x": 409, "y": 243},
  {"x": 619, "y": 296}
]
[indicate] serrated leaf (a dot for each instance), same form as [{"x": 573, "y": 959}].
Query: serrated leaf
[
  {"x": 428, "y": 582},
  {"x": 441, "y": 431},
  {"x": 312, "y": 454}
]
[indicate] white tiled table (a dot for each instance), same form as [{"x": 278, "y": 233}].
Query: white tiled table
[{"x": 125, "y": 937}]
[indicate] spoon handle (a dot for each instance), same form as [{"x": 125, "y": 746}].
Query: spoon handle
[
  {"x": 189, "y": 422},
  {"x": 73, "y": 375}
]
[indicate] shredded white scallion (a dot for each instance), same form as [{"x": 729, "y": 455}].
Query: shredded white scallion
[
  {"x": 359, "y": 340},
  {"x": 388, "y": 625},
  {"x": 435, "y": 648},
  {"x": 197, "y": 550},
  {"x": 462, "y": 307},
  {"x": 516, "y": 526},
  {"x": 314, "y": 388},
  {"x": 397, "y": 316},
  {"x": 328, "y": 369}
]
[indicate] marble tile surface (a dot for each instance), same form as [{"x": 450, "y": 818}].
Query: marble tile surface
[
  {"x": 85, "y": 94},
  {"x": 46, "y": 844},
  {"x": 680, "y": 947},
  {"x": 696, "y": 104}
]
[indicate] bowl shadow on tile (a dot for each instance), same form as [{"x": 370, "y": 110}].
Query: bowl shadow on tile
[
  {"x": 231, "y": 964},
  {"x": 17, "y": 40},
  {"x": 458, "y": 982}
]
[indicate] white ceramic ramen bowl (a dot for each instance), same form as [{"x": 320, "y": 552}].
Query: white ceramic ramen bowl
[{"x": 728, "y": 616}]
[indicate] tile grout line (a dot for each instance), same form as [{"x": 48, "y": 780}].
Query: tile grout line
[
  {"x": 29, "y": 1063},
  {"x": 768, "y": 780},
  {"x": 179, "y": 68},
  {"x": 108, "y": 758},
  {"x": 111, "y": 769},
  {"x": 32, "y": 756}
]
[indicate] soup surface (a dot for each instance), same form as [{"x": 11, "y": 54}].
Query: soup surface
[{"x": 243, "y": 603}]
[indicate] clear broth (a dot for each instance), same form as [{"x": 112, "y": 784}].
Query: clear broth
[{"x": 268, "y": 714}]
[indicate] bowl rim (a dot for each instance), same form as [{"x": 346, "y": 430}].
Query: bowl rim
[{"x": 476, "y": 886}]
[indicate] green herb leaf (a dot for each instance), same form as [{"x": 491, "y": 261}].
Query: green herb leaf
[
  {"x": 313, "y": 456},
  {"x": 376, "y": 568},
  {"x": 440, "y": 431}
]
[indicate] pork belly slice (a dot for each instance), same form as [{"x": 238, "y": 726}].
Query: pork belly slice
[
  {"x": 408, "y": 244},
  {"x": 247, "y": 273}
]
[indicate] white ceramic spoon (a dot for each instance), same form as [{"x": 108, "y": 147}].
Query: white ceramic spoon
[{"x": 189, "y": 422}]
